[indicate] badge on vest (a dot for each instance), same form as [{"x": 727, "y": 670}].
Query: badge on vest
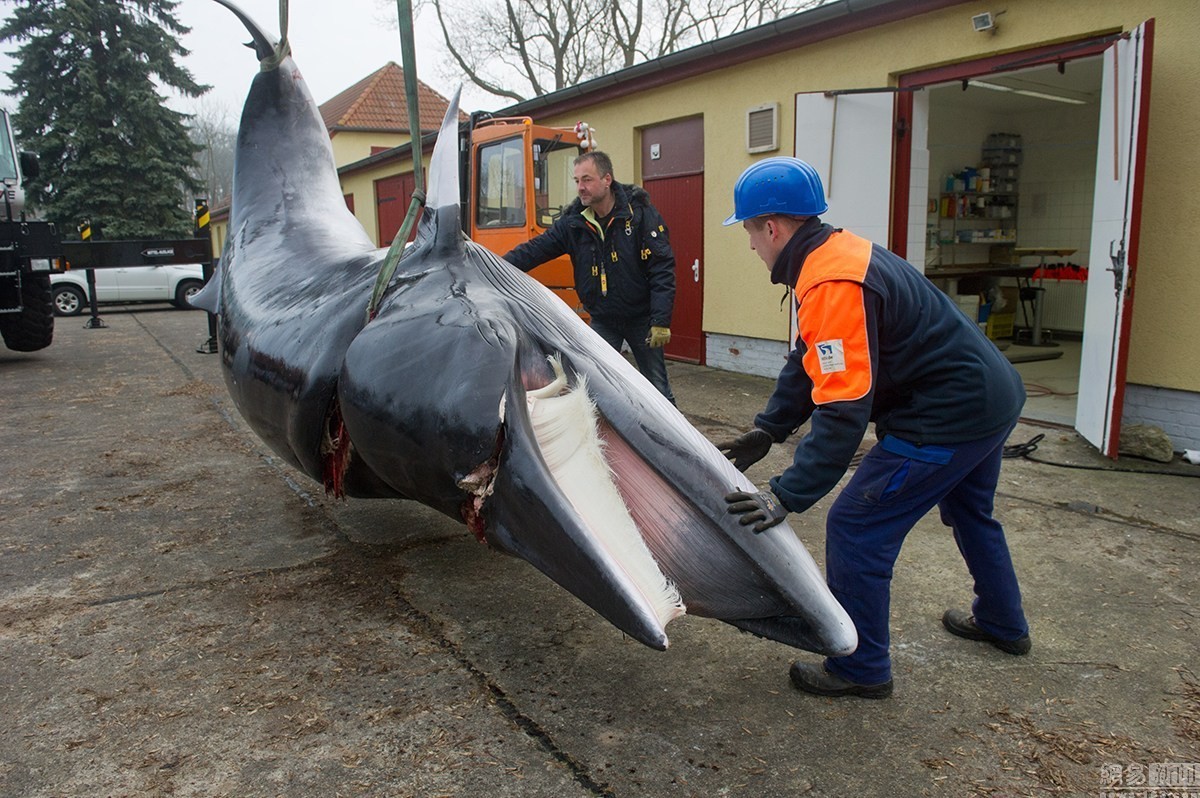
[{"x": 831, "y": 356}]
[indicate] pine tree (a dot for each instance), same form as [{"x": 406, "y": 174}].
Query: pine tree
[{"x": 111, "y": 151}]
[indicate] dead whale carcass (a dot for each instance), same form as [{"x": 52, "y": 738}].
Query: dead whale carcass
[{"x": 477, "y": 392}]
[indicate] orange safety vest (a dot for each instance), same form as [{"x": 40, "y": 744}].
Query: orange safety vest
[{"x": 832, "y": 318}]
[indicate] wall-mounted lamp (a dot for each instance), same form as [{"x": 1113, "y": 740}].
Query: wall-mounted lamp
[
  {"x": 982, "y": 22},
  {"x": 985, "y": 22}
]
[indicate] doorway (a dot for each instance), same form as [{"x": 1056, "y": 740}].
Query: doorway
[
  {"x": 1118, "y": 184},
  {"x": 1012, "y": 171},
  {"x": 914, "y": 207}
]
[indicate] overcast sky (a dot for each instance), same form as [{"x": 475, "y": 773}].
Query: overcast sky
[{"x": 336, "y": 43}]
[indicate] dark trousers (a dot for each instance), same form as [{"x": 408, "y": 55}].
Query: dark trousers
[
  {"x": 896, "y": 484},
  {"x": 650, "y": 361}
]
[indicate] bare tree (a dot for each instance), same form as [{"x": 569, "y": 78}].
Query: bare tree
[
  {"x": 518, "y": 49},
  {"x": 211, "y": 130}
]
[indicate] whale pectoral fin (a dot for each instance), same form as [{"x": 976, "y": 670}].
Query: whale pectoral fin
[{"x": 209, "y": 297}]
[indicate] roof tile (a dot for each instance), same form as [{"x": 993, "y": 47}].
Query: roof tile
[{"x": 378, "y": 102}]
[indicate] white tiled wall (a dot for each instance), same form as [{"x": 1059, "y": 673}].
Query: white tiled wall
[
  {"x": 1175, "y": 412},
  {"x": 745, "y": 355},
  {"x": 920, "y": 181},
  {"x": 1058, "y": 178}
]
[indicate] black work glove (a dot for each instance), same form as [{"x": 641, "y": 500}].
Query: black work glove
[
  {"x": 761, "y": 509},
  {"x": 747, "y": 449}
]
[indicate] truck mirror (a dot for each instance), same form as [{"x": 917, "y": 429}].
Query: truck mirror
[{"x": 29, "y": 164}]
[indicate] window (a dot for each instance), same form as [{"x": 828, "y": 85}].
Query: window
[
  {"x": 8, "y": 166},
  {"x": 501, "y": 198},
  {"x": 553, "y": 177}
]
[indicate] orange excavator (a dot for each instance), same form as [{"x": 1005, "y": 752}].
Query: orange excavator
[{"x": 521, "y": 180}]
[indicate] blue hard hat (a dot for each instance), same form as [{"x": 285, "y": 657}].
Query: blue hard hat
[{"x": 782, "y": 185}]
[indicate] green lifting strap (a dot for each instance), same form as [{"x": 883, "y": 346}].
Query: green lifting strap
[
  {"x": 284, "y": 48},
  {"x": 409, "y": 61}
]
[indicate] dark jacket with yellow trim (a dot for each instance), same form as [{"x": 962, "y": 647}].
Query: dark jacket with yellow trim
[
  {"x": 633, "y": 254},
  {"x": 936, "y": 378}
]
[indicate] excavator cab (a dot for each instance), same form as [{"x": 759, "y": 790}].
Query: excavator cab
[{"x": 522, "y": 179}]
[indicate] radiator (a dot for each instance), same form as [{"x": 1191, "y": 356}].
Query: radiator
[{"x": 1064, "y": 302}]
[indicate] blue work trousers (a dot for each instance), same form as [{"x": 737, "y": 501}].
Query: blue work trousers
[
  {"x": 650, "y": 360},
  {"x": 896, "y": 484}
]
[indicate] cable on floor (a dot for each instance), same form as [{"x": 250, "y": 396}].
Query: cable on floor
[
  {"x": 1035, "y": 390},
  {"x": 1025, "y": 450}
]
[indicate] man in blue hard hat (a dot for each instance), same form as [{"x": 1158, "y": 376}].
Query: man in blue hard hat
[{"x": 877, "y": 342}]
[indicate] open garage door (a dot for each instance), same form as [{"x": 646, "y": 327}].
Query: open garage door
[
  {"x": 1115, "y": 232},
  {"x": 847, "y": 137}
]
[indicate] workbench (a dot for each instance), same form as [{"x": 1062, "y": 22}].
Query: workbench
[{"x": 1023, "y": 275}]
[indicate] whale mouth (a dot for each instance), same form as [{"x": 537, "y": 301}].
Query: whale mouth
[
  {"x": 552, "y": 457},
  {"x": 566, "y": 492},
  {"x": 569, "y": 432}
]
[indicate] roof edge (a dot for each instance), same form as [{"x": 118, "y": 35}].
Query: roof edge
[
  {"x": 824, "y": 22},
  {"x": 828, "y": 21}
]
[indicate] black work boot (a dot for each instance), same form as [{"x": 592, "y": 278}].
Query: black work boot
[
  {"x": 818, "y": 681},
  {"x": 962, "y": 624}
]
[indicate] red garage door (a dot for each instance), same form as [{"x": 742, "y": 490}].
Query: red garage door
[
  {"x": 392, "y": 196},
  {"x": 672, "y": 173}
]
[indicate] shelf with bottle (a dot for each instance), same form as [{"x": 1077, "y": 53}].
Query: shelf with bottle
[
  {"x": 1003, "y": 149},
  {"x": 978, "y": 204},
  {"x": 977, "y": 218},
  {"x": 991, "y": 205}
]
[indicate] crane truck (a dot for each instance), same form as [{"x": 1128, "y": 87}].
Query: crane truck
[{"x": 30, "y": 250}]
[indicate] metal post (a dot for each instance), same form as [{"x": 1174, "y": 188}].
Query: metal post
[
  {"x": 209, "y": 347},
  {"x": 1038, "y": 297},
  {"x": 95, "y": 322}
]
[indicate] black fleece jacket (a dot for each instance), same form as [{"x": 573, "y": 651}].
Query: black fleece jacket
[
  {"x": 626, "y": 270},
  {"x": 935, "y": 378}
]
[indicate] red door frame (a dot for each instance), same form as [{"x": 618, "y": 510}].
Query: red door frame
[{"x": 963, "y": 71}]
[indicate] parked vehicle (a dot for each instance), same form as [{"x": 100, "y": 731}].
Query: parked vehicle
[
  {"x": 30, "y": 250},
  {"x": 174, "y": 283}
]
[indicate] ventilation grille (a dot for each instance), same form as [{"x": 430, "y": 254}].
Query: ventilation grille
[{"x": 762, "y": 128}]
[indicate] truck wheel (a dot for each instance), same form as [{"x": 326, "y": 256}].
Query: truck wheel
[
  {"x": 68, "y": 300},
  {"x": 184, "y": 293},
  {"x": 33, "y": 328}
]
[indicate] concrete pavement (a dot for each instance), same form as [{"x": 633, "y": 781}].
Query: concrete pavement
[{"x": 182, "y": 614}]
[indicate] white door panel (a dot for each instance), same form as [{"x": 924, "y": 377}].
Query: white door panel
[
  {"x": 143, "y": 283},
  {"x": 848, "y": 139},
  {"x": 1113, "y": 245},
  {"x": 107, "y": 285}
]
